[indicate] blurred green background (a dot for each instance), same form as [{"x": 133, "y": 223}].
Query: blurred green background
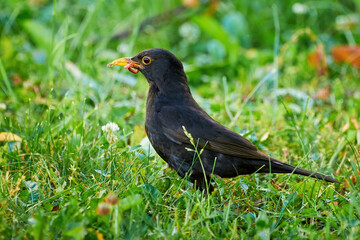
[
  {"x": 269, "y": 70},
  {"x": 50, "y": 48}
]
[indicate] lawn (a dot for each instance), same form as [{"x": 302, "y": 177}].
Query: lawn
[{"x": 280, "y": 73}]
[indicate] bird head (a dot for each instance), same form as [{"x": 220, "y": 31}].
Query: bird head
[{"x": 159, "y": 66}]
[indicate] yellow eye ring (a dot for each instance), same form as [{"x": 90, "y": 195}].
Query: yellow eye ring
[{"x": 146, "y": 60}]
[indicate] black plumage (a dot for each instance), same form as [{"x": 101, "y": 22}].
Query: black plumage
[{"x": 170, "y": 108}]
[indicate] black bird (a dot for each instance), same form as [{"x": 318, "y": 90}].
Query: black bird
[{"x": 170, "y": 108}]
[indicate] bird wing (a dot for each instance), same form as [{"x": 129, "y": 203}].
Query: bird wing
[{"x": 207, "y": 133}]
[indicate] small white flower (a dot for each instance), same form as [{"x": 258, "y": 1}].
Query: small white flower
[
  {"x": 299, "y": 8},
  {"x": 109, "y": 131},
  {"x": 2, "y": 106},
  {"x": 346, "y": 22},
  {"x": 110, "y": 127},
  {"x": 190, "y": 32}
]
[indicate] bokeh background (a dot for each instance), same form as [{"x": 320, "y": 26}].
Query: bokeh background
[{"x": 285, "y": 74}]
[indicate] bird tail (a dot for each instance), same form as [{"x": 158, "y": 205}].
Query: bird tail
[{"x": 280, "y": 167}]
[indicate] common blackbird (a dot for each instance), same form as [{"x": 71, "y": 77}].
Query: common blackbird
[{"x": 171, "y": 109}]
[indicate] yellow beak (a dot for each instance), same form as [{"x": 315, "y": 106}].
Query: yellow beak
[{"x": 120, "y": 62}]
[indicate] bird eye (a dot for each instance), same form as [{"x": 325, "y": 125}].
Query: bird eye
[{"x": 146, "y": 60}]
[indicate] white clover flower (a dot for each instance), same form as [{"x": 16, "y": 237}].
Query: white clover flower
[
  {"x": 2, "y": 106},
  {"x": 346, "y": 22},
  {"x": 109, "y": 131},
  {"x": 110, "y": 127},
  {"x": 190, "y": 32},
  {"x": 299, "y": 8}
]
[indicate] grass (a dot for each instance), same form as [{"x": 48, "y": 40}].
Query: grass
[{"x": 65, "y": 180}]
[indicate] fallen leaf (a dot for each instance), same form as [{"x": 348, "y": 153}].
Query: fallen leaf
[
  {"x": 103, "y": 209},
  {"x": 353, "y": 179},
  {"x": 55, "y": 208},
  {"x": 111, "y": 198},
  {"x": 213, "y": 7},
  {"x": 286, "y": 152},
  {"x": 190, "y": 3},
  {"x": 280, "y": 186},
  {"x": 177, "y": 195},
  {"x": 9, "y": 137},
  {"x": 356, "y": 124},
  {"x": 36, "y": 2},
  {"x": 345, "y": 127},
  {"x": 317, "y": 59},
  {"x": 347, "y": 54},
  {"x": 323, "y": 93},
  {"x": 17, "y": 80}
]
